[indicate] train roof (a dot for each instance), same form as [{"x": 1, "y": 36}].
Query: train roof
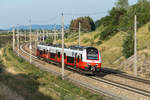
[{"x": 73, "y": 47}]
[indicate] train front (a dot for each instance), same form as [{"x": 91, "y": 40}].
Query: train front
[{"x": 92, "y": 59}]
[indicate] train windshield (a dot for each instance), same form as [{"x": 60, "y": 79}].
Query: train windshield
[{"x": 92, "y": 53}]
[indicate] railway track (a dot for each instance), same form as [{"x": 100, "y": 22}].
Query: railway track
[
  {"x": 118, "y": 74},
  {"x": 110, "y": 82},
  {"x": 130, "y": 88},
  {"x": 115, "y": 73}
]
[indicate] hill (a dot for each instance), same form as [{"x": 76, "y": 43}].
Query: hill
[
  {"x": 111, "y": 50},
  {"x": 113, "y": 29}
]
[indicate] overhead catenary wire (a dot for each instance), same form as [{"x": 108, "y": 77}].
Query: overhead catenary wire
[
  {"x": 18, "y": 38},
  {"x": 51, "y": 19},
  {"x": 13, "y": 38},
  {"x": 30, "y": 39}
]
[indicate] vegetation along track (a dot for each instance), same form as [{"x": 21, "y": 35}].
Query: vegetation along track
[{"x": 117, "y": 84}]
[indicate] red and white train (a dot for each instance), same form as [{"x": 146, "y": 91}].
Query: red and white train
[{"x": 87, "y": 59}]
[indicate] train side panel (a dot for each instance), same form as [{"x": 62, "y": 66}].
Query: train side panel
[{"x": 85, "y": 60}]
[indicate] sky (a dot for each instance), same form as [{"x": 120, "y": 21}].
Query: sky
[{"x": 44, "y": 12}]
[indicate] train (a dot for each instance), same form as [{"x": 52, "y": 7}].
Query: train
[{"x": 85, "y": 59}]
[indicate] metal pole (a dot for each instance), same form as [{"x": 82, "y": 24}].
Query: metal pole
[
  {"x": 47, "y": 34},
  {"x": 79, "y": 32},
  {"x": 62, "y": 46},
  {"x": 43, "y": 35},
  {"x": 135, "y": 44},
  {"x": 25, "y": 36},
  {"x": 37, "y": 36},
  {"x": 30, "y": 41},
  {"x": 36, "y": 39},
  {"x": 18, "y": 38},
  {"x": 40, "y": 36},
  {"x": 55, "y": 34},
  {"x": 14, "y": 38}
]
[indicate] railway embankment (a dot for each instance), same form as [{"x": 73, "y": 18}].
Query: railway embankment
[{"x": 24, "y": 81}]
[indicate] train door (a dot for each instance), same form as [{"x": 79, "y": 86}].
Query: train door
[
  {"x": 75, "y": 60},
  {"x": 77, "y": 63},
  {"x": 46, "y": 52},
  {"x": 58, "y": 57}
]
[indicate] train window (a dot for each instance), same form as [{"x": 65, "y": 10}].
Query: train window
[
  {"x": 40, "y": 52},
  {"x": 78, "y": 58},
  {"x": 81, "y": 57},
  {"x": 92, "y": 53},
  {"x": 58, "y": 54},
  {"x": 64, "y": 55},
  {"x": 70, "y": 60},
  {"x": 75, "y": 55},
  {"x": 52, "y": 55},
  {"x": 44, "y": 51}
]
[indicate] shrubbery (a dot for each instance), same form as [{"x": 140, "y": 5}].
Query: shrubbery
[
  {"x": 149, "y": 28},
  {"x": 128, "y": 44}
]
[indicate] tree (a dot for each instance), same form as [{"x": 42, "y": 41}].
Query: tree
[
  {"x": 91, "y": 23},
  {"x": 87, "y": 24},
  {"x": 142, "y": 1},
  {"x": 128, "y": 45},
  {"x": 97, "y": 23},
  {"x": 122, "y": 4},
  {"x": 71, "y": 24}
]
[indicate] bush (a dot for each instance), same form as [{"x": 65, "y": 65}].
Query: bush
[
  {"x": 99, "y": 42},
  {"x": 149, "y": 28},
  {"x": 108, "y": 31},
  {"x": 128, "y": 45}
]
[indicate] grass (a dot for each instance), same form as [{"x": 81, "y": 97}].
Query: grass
[{"x": 31, "y": 83}]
